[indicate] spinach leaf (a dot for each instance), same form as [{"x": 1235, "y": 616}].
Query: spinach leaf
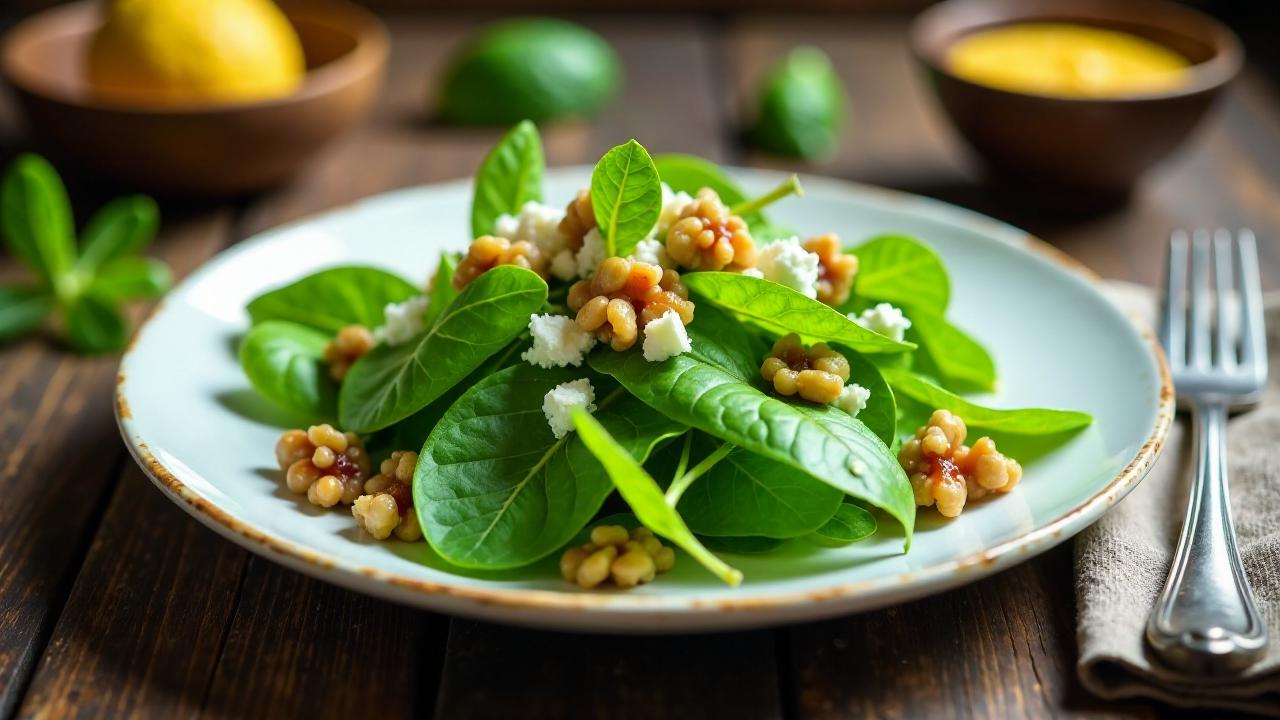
[
  {"x": 22, "y": 310},
  {"x": 901, "y": 270},
  {"x": 510, "y": 176},
  {"x": 824, "y": 442},
  {"x": 950, "y": 354},
  {"x": 333, "y": 298},
  {"x": 747, "y": 494},
  {"x": 120, "y": 228},
  {"x": 495, "y": 489},
  {"x": 850, "y": 524},
  {"x": 644, "y": 496},
  {"x": 1000, "y": 424},
  {"x": 441, "y": 292},
  {"x": 392, "y": 382},
  {"x": 130, "y": 277},
  {"x": 690, "y": 173},
  {"x": 36, "y": 218},
  {"x": 95, "y": 324},
  {"x": 626, "y": 196},
  {"x": 881, "y": 413},
  {"x": 782, "y": 310},
  {"x": 285, "y": 363},
  {"x": 743, "y": 545}
]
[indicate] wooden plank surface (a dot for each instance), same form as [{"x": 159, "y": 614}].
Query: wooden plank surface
[{"x": 114, "y": 603}]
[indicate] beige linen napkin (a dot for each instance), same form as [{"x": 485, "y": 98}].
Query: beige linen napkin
[{"x": 1122, "y": 560}]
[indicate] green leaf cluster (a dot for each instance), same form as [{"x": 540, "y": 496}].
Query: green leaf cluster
[{"x": 85, "y": 285}]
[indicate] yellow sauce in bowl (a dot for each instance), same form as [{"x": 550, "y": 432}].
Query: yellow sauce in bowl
[{"x": 1067, "y": 60}]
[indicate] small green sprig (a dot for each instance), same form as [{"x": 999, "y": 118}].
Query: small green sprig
[{"x": 84, "y": 287}]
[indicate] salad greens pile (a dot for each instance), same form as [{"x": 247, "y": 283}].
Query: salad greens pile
[{"x": 700, "y": 449}]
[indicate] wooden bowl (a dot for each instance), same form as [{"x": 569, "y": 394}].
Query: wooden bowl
[
  {"x": 207, "y": 150},
  {"x": 1076, "y": 153}
]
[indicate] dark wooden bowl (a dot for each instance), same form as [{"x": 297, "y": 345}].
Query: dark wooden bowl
[
  {"x": 1076, "y": 152},
  {"x": 210, "y": 150}
]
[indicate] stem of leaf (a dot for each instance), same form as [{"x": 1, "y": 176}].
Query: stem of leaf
[
  {"x": 791, "y": 186},
  {"x": 684, "y": 480},
  {"x": 684, "y": 457}
]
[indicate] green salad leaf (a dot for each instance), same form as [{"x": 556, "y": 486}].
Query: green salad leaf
[
  {"x": 850, "y": 524},
  {"x": 22, "y": 310},
  {"x": 95, "y": 324},
  {"x": 881, "y": 413},
  {"x": 626, "y": 196},
  {"x": 130, "y": 277},
  {"x": 37, "y": 221},
  {"x": 509, "y": 177},
  {"x": 749, "y": 495},
  {"x": 441, "y": 291},
  {"x": 644, "y": 496},
  {"x": 690, "y": 173},
  {"x": 285, "y": 363},
  {"x": 1000, "y": 424},
  {"x": 121, "y": 228},
  {"x": 950, "y": 354},
  {"x": 901, "y": 270},
  {"x": 495, "y": 489},
  {"x": 742, "y": 545},
  {"x": 824, "y": 442},
  {"x": 333, "y": 298},
  {"x": 781, "y": 310},
  {"x": 392, "y": 382},
  {"x": 802, "y": 106}
]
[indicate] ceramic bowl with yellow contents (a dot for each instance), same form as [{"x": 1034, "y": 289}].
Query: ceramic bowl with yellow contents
[{"x": 1074, "y": 100}]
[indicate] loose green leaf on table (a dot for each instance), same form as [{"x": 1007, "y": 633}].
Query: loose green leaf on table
[
  {"x": 644, "y": 496},
  {"x": 901, "y": 270},
  {"x": 802, "y": 106},
  {"x": 509, "y": 177},
  {"x": 392, "y": 382},
  {"x": 22, "y": 310},
  {"x": 36, "y": 218},
  {"x": 626, "y": 196},
  {"x": 284, "y": 361},
  {"x": 782, "y": 310},
  {"x": 95, "y": 324},
  {"x": 121, "y": 228},
  {"x": 850, "y": 524},
  {"x": 333, "y": 298},
  {"x": 494, "y": 488},
  {"x": 951, "y": 354},
  {"x": 131, "y": 278}
]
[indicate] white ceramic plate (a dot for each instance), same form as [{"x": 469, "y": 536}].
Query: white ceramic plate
[{"x": 190, "y": 419}]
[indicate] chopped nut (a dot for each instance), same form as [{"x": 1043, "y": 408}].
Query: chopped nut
[
  {"x": 836, "y": 269},
  {"x": 348, "y": 346},
  {"x": 326, "y": 465},
  {"x": 628, "y": 558},
  {"x": 579, "y": 219},
  {"x": 488, "y": 252},
  {"x": 625, "y": 295},
  {"x": 386, "y": 506},
  {"x": 947, "y": 473},
  {"x": 817, "y": 374},
  {"x": 707, "y": 237}
]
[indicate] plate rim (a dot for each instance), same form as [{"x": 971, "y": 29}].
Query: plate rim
[{"x": 836, "y": 599}]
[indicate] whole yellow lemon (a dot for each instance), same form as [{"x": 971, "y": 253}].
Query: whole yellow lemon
[{"x": 175, "y": 52}]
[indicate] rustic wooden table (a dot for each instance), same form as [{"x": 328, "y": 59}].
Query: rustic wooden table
[{"x": 114, "y": 603}]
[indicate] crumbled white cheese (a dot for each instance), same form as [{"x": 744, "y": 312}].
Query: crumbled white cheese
[
  {"x": 884, "y": 319},
  {"x": 538, "y": 224},
  {"x": 651, "y": 251},
  {"x": 402, "y": 321},
  {"x": 564, "y": 266},
  {"x": 591, "y": 254},
  {"x": 786, "y": 262},
  {"x": 558, "y": 404},
  {"x": 853, "y": 399},
  {"x": 665, "y": 337},
  {"x": 673, "y": 203},
  {"x": 753, "y": 272},
  {"x": 557, "y": 341}
]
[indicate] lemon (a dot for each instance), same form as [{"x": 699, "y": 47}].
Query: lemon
[{"x": 174, "y": 52}]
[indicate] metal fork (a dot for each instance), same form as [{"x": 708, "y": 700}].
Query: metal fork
[{"x": 1206, "y": 619}]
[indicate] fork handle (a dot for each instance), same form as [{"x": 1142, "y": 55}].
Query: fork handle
[{"x": 1206, "y": 619}]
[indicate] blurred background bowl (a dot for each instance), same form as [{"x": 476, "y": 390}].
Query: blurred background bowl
[
  {"x": 1076, "y": 153},
  {"x": 198, "y": 150}
]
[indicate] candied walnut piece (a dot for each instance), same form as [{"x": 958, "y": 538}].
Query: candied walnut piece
[
  {"x": 836, "y": 269},
  {"x": 947, "y": 473},
  {"x": 625, "y": 295},
  {"x": 348, "y": 346},
  {"x": 326, "y": 465},
  {"x": 579, "y": 219},
  {"x": 817, "y": 374},
  {"x": 386, "y": 506},
  {"x": 707, "y": 237},
  {"x": 628, "y": 558},
  {"x": 487, "y": 252}
]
